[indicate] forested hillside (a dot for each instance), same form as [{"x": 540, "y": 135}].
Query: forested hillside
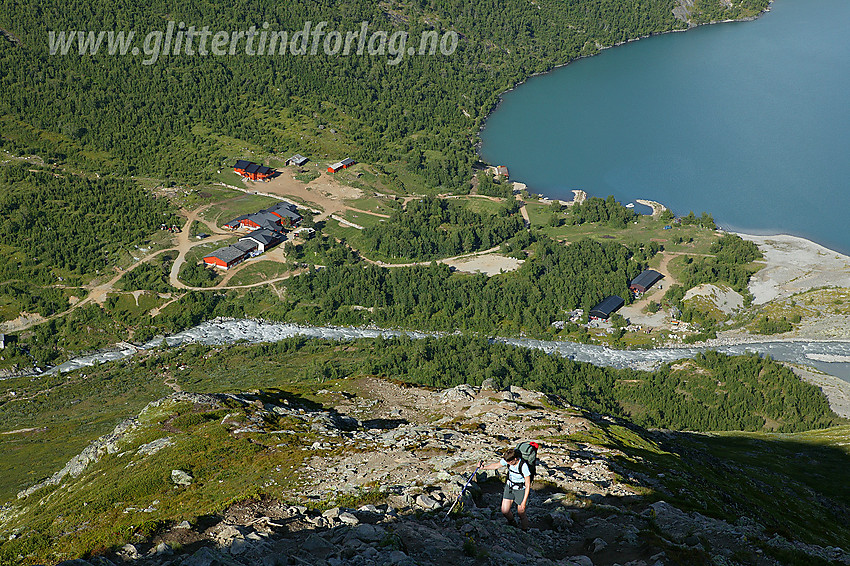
[
  {"x": 180, "y": 117},
  {"x": 433, "y": 228},
  {"x": 60, "y": 229},
  {"x": 557, "y": 279}
]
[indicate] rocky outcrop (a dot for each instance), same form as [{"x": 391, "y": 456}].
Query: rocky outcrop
[
  {"x": 414, "y": 450},
  {"x": 106, "y": 444}
]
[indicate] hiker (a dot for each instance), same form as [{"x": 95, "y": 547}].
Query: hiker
[{"x": 517, "y": 486}]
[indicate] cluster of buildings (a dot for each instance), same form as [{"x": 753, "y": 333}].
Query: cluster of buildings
[
  {"x": 639, "y": 285},
  {"x": 278, "y": 217},
  {"x": 266, "y": 229}
]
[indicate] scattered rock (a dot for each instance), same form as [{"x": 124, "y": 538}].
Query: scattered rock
[
  {"x": 598, "y": 545},
  {"x": 317, "y": 546},
  {"x": 462, "y": 392},
  {"x": 426, "y": 502},
  {"x": 180, "y": 477}
]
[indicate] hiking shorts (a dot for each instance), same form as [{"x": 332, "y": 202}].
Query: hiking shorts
[{"x": 514, "y": 494}]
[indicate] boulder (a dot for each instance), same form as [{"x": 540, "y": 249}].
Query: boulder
[
  {"x": 208, "y": 557},
  {"x": 426, "y": 502},
  {"x": 598, "y": 545},
  {"x": 462, "y": 392},
  {"x": 180, "y": 477},
  {"x": 317, "y": 546},
  {"x": 369, "y": 533}
]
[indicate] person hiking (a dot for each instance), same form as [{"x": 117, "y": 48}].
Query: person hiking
[{"x": 517, "y": 486}]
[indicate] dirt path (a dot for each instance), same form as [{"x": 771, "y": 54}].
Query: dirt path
[
  {"x": 325, "y": 191},
  {"x": 184, "y": 242},
  {"x": 156, "y": 310},
  {"x": 524, "y": 211},
  {"x": 444, "y": 260},
  {"x": 668, "y": 280}
]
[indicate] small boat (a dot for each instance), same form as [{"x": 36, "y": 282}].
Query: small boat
[{"x": 630, "y": 205}]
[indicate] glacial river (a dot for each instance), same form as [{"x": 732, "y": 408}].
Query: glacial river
[{"x": 830, "y": 357}]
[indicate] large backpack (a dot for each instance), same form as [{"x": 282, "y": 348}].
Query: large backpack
[{"x": 528, "y": 454}]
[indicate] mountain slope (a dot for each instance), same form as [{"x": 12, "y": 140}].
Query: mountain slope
[{"x": 368, "y": 476}]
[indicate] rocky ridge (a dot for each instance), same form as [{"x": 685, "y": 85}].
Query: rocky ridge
[{"x": 412, "y": 450}]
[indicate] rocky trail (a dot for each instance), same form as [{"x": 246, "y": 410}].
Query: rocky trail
[{"x": 412, "y": 450}]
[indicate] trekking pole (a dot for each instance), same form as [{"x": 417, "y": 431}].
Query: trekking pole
[{"x": 459, "y": 495}]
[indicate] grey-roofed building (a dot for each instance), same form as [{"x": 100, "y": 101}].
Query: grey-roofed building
[
  {"x": 264, "y": 239},
  {"x": 344, "y": 164},
  {"x": 286, "y": 211},
  {"x": 236, "y": 223},
  {"x": 226, "y": 257},
  {"x": 607, "y": 306},
  {"x": 644, "y": 281},
  {"x": 297, "y": 159},
  {"x": 263, "y": 219},
  {"x": 246, "y": 246}
]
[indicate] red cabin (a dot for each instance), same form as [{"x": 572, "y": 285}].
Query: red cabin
[
  {"x": 253, "y": 171},
  {"x": 344, "y": 164}
]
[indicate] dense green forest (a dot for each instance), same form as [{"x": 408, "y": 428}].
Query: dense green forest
[
  {"x": 729, "y": 264},
  {"x": 705, "y": 11},
  {"x": 72, "y": 223},
  {"x": 713, "y": 392},
  {"x": 555, "y": 279},
  {"x": 433, "y": 228},
  {"x": 604, "y": 211},
  {"x": 174, "y": 118},
  {"x": 60, "y": 229}
]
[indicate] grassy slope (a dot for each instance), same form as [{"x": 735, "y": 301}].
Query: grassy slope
[{"x": 793, "y": 484}]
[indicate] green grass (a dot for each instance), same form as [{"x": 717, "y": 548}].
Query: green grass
[
  {"x": 68, "y": 412},
  {"x": 75, "y": 408},
  {"x": 257, "y": 271},
  {"x": 482, "y": 205},
  {"x": 792, "y": 483},
  {"x": 645, "y": 230},
  {"x": 114, "y": 504},
  {"x": 362, "y": 219},
  {"x": 307, "y": 176},
  {"x": 374, "y": 204},
  {"x": 204, "y": 195},
  {"x": 245, "y": 204}
]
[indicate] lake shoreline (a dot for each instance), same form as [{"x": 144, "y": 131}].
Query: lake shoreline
[{"x": 601, "y": 49}]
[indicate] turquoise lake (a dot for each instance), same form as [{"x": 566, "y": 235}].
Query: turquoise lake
[{"x": 749, "y": 121}]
